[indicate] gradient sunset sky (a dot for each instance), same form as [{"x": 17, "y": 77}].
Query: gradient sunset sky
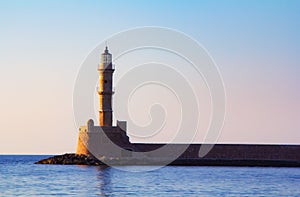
[{"x": 255, "y": 44}]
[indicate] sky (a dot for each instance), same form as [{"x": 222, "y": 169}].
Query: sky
[{"x": 255, "y": 44}]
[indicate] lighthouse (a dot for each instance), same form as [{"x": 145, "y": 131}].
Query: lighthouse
[
  {"x": 91, "y": 136},
  {"x": 105, "y": 90}
]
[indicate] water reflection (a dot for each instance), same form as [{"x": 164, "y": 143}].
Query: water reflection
[{"x": 104, "y": 180}]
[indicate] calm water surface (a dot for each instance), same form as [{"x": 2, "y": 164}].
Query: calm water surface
[{"x": 20, "y": 177}]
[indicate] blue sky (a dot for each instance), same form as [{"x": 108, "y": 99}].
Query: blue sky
[{"x": 256, "y": 45}]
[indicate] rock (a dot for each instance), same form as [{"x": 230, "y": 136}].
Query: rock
[{"x": 72, "y": 159}]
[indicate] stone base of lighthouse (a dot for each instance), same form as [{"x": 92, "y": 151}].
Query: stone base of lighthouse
[
  {"x": 82, "y": 146},
  {"x": 96, "y": 140}
]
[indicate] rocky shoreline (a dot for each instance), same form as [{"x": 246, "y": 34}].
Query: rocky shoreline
[
  {"x": 71, "y": 159},
  {"x": 81, "y": 159}
]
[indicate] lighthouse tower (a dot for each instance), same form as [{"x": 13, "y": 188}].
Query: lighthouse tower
[
  {"x": 90, "y": 136},
  {"x": 105, "y": 90}
]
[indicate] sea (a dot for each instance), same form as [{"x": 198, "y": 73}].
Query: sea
[{"x": 19, "y": 176}]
